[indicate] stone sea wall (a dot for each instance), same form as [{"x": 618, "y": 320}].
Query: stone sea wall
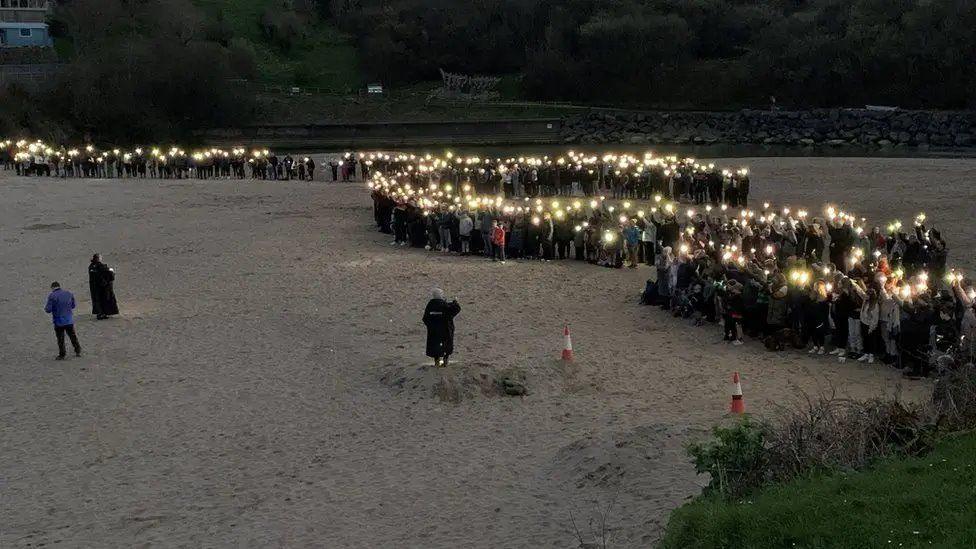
[{"x": 830, "y": 127}]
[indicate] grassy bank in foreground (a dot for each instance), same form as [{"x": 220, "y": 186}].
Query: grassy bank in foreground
[{"x": 921, "y": 502}]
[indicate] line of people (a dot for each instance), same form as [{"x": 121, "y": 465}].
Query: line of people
[
  {"x": 616, "y": 176},
  {"x": 42, "y": 160}
]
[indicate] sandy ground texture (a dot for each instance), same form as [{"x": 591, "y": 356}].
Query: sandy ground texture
[{"x": 265, "y": 384}]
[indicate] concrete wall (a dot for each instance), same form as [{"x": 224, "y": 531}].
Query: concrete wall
[{"x": 30, "y": 76}]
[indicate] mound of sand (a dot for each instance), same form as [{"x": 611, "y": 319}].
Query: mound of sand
[{"x": 456, "y": 382}]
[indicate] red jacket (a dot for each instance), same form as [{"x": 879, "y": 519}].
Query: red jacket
[{"x": 498, "y": 236}]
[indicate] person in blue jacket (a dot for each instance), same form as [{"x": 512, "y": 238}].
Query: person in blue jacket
[{"x": 60, "y": 304}]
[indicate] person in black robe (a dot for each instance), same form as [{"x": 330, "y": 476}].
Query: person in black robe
[
  {"x": 100, "y": 281},
  {"x": 439, "y": 319}
]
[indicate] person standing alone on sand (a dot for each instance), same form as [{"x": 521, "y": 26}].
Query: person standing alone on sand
[
  {"x": 60, "y": 303},
  {"x": 439, "y": 319},
  {"x": 100, "y": 280}
]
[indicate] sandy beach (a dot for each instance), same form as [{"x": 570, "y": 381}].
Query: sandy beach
[{"x": 266, "y": 385}]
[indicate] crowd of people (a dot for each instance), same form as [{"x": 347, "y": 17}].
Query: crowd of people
[
  {"x": 36, "y": 158},
  {"x": 828, "y": 284},
  {"x": 574, "y": 174}
]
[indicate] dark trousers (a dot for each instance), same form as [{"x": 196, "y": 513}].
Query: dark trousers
[
  {"x": 547, "y": 249},
  {"x": 562, "y": 249},
  {"x": 59, "y": 331},
  {"x": 819, "y": 334},
  {"x": 872, "y": 341},
  {"x": 647, "y": 252},
  {"x": 731, "y": 329},
  {"x": 499, "y": 252},
  {"x": 400, "y": 231},
  {"x": 839, "y": 338}
]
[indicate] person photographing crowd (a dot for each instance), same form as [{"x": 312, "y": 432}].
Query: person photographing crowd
[{"x": 60, "y": 305}]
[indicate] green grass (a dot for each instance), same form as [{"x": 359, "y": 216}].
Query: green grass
[
  {"x": 327, "y": 58},
  {"x": 919, "y": 502}
]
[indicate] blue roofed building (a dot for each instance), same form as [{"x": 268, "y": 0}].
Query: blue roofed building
[
  {"x": 23, "y": 23},
  {"x": 14, "y": 35}
]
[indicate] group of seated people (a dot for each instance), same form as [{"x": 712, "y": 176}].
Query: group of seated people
[{"x": 822, "y": 284}]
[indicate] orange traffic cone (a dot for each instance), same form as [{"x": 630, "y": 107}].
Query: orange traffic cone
[
  {"x": 738, "y": 405},
  {"x": 568, "y": 345}
]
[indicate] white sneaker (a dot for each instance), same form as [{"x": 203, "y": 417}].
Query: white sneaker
[
  {"x": 837, "y": 352},
  {"x": 870, "y": 359},
  {"x": 821, "y": 351},
  {"x": 812, "y": 351},
  {"x": 841, "y": 358},
  {"x": 863, "y": 358},
  {"x": 737, "y": 342}
]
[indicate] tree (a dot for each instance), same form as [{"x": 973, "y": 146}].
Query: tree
[{"x": 144, "y": 70}]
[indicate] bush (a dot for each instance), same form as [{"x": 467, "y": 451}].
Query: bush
[
  {"x": 151, "y": 75},
  {"x": 283, "y": 27},
  {"x": 824, "y": 434},
  {"x": 305, "y": 74},
  {"x": 220, "y": 31},
  {"x": 911, "y": 53},
  {"x": 22, "y": 115},
  {"x": 242, "y": 58},
  {"x": 735, "y": 459},
  {"x": 830, "y": 433},
  {"x": 805, "y": 465},
  {"x": 954, "y": 398},
  {"x": 550, "y": 76}
]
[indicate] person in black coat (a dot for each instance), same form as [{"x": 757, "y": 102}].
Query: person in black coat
[
  {"x": 439, "y": 319},
  {"x": 100, "y": 281}
]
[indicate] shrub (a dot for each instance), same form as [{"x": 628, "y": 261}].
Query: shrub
[
  {"x": 735, "y": 459},
  {"x": 219, "y": 30},
  {"x": 825, "y": 434},
  {"x": 954, "y": 397},
  {"x": 830, "y": 433},
  {"x": 305, "y": 74},
  {"x": 282, "y": 27},
  {"x": 241, "y": 57}
]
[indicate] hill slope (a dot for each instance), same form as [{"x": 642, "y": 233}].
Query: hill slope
[{"x": 325, "y": 58}]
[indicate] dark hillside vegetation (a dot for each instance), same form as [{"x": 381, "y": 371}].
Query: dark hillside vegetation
[
  {"x": 155, "y": 68},
  {"x": 690, "y": 53}
]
